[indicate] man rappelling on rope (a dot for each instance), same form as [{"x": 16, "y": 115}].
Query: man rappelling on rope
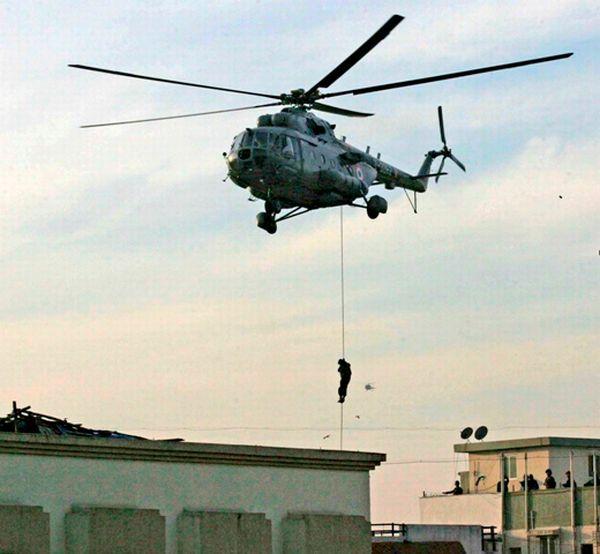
[{"x": 345, "y": 374}]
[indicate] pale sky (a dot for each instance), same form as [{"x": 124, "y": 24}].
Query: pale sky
[{"x": 137, "y": 293}]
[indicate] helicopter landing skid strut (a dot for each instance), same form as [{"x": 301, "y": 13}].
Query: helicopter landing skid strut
[
  {"x": 268, "y": 220},
  {"x": 294, "y": 213}
]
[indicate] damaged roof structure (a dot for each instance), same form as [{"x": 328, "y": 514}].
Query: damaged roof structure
[{"x": 24, "y": 420}]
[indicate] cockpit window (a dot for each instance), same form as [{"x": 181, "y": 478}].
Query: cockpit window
[
  {"x": 236, "y": 141},
  {"x": 285, "y": 146},
  {"x": 261, "y": 139},
  {"x": 279, "y": 143},
  {"x": 246, "y": 139}
]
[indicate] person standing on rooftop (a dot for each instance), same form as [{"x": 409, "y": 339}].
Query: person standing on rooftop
[{"x": 549, "y": 482}]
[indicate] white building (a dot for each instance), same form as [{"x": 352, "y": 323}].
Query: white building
[
  {"x": 530, "y": 521},
  {"x": 104, "y": 495}
]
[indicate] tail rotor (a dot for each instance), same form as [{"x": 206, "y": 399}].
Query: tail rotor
[{"x": 445, "y": 152}]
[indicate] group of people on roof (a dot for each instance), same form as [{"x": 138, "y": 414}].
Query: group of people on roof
[
  {"x": 532, "y": 483},
  {"x": 549, "y": 482}
]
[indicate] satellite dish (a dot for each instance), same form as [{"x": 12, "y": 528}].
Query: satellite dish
[
  {"x": 481, "y": 432},
  {"x": 466, "y": 433}
]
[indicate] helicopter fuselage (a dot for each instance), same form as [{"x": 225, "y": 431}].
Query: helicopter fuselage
[{"x": 294, "y": 158}]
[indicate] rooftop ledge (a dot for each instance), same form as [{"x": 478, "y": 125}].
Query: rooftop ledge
[
  {"x": 520, "y": 444},
  {"x": 536, "y": 492},
  {"x": 187, "y": 452}
]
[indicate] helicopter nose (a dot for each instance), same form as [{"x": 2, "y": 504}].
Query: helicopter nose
[
  {"x": 240, "y": 161},
  {"x": 232, "y": 161}
]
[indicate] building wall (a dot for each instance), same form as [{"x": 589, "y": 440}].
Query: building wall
[
  {"x": 312, "y": 534},
  {"x": 538, "y": 460},
  {"x": 468, "y": 535},
  {"x": 488, "y": 464},
  {"x": 24, "y": 529},
  {"x": 564, "y": 540},
  {"x": 466, "y": 509},
  {"x": 550, "y": 508},
  {"x": 110, "y": 530},
  {"x": 58, "y": 484},
  {"x": 559, "y": 462},
  {"x": 219, "y": 532}
]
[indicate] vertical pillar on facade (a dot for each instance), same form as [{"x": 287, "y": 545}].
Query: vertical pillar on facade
[
  {"x": 526, "y": 499},
  {"x": 572, "y": 495},
  {"x": 502, "y": 504},
  {"x": 595, "y": 478}
]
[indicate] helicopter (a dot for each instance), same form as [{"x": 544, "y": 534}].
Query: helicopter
[{"x": 292, "y": 159}]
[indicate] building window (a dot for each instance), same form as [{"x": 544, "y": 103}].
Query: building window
[
  {"x": 548, "y": 545},
  {"x": 510, "y": 467},
  {"x": 591, "y": 464},
  {"x": 514, "y": 550},
  {"x": 587, "y": 549}
]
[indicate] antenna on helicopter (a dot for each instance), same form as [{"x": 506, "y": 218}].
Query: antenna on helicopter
[{"x": 445, "y": 152}]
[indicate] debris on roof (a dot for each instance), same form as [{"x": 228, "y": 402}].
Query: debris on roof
[{"x": 23, "y": 420}]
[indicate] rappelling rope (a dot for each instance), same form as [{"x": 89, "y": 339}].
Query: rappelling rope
[
  {"x": 342, "y": 280},
  {"x": 343, "y": 316}
]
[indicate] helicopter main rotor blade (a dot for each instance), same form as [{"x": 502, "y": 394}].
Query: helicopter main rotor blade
[
  {"x": 455, "y": 75},
  {"x": 457, "y": 162},
  {"x": 161, "y": 80},
  {"x": 357, "y": 55},
  {"x": 339, "y": 111},
  {"x": 179, "y": 116},
  {"x": 441, "y": 119}
]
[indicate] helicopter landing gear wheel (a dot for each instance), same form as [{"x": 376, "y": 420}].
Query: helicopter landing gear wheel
[
  {"x": 272, "y": 207},
  {"x": 376, "y": 205},
  {"x": 372, "y": 213},
  {"x": 267, "y": 222}
]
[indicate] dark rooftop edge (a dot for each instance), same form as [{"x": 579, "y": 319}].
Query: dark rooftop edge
[
  {"x": 187, "y": 452},
  {"x": 536, "y": 442}
]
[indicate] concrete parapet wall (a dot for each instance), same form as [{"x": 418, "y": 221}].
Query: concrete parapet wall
[
  {"x": 223, "y": 533},
  {"x": 324, "y": 534},
  {"x": 550, "y": 508},
  {"x": 464, "y": 509},
  {"x": 469, "y": 536},
  {"x": 24, "y": 529},
  {"x": 110, "y": 530}
]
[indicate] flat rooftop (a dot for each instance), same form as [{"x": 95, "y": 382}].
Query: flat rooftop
[
  {"x": 524, "y": 444},
  {"x": 187, "y": 452}
]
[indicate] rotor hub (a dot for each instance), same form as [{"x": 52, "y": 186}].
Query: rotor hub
[{"x": 298, "y": 97}]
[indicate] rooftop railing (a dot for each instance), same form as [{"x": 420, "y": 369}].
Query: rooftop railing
[{"x": 388, "y": 529}]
